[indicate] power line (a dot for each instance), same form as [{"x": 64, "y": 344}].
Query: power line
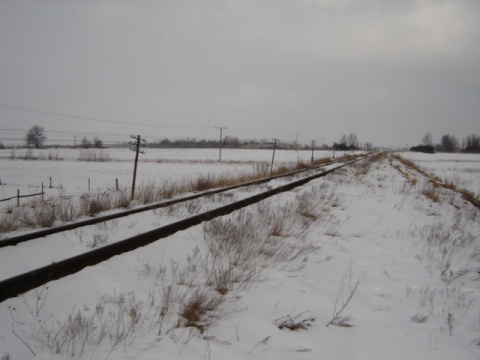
[
  {"x": 53, "y": 113},
  {"x": 67, "y": 132}
]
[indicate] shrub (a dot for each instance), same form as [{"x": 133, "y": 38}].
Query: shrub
[
  {"x": 198, "y": 311},
  {"x": 92, "y": 205},
  {"x": 93, "y": 156},
  {"x": 147, "y": 193},
  {"x": 8, "y": 223},
  {"x": 97, "y": 240},
  {"x": 66, "y": 209},
  {"x": 419, "y": 318},
  {"x": 233, "y": 247},
  {"x": 431, "y": 192},
  {"x": 41, "y": 214},
  {"x": 121, "y": 198}
]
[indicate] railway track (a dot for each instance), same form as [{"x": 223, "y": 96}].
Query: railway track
[
  {"x": 15, "y": 285},
  {"x": 15, "y": 240}
]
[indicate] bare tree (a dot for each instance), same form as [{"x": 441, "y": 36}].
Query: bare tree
[
  {"x": 231, "y": 141},
  {"x": 448, "y": 143},
  {"x": 97, "y": 143},
  {"x": 427, "y": 139},
  {"x": 36, "y": 136},
  {"x": 86, "y": 143},
  {"x": 348, "y": 142},
  {"x": 471, "y": 143},
  {"x": 352, "y": 140}
]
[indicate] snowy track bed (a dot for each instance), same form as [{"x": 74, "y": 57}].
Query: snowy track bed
[
  {"x": 55, "y": 259},
  {"x": 367, "y": 250},
  {"x": 60, "y": 246}
]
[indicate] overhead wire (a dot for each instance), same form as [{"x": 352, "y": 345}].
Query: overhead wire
[
  {"x": 54, "y": 113},
  {"x": 233, "y": 131}
]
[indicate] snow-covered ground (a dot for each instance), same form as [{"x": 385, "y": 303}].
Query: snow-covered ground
[
  {"x": 364, "y": 248},
  {"x": 462, "y": 170},
  {"x": 70, "y": 174}
]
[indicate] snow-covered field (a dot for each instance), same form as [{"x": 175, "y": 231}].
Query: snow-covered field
[
  {"x": 462, "y": 170},
  {"x": 364, "y": 248},
  {"x": 70, "y": 174}
]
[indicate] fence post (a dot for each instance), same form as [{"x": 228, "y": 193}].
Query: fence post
[
  {"x": 88, "y": 184},
  {"x": 18, "y": 198},
  {"x": 116, "y": 184},
  {"x": 42, "y": 191},
  {"x": 50, "y": 182}
]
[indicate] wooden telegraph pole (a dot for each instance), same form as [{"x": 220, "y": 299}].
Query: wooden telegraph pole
[
  {"x": 313, "y": 147},
  {"x": 273, "y": 156},
  {"x": 296, "y": 141},
  {"x": 221, "y": 131},
  {"x": 135, "y": 146}
]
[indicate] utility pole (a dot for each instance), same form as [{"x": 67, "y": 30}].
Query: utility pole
[
  {"x": 221, "y": 131},
  {"x": 296, "y": 141},
  {"x": 273, "y": 156},
  {"x": 313, "y": 146},
  {"x": 136, "y": 147}
]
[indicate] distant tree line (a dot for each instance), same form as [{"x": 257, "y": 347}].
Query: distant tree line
[
  {"x": 96, "y": 143},
  {"x": 347, "y": 142},
  {"x": 449, "y": 143},
  {"x": 350, "y": 142},
  {"x": 232, "y": 142},
  {"x": 471, "y": 144},
  {"x": 35, "y": 137},
  {"x": 423, "y": 148},
  {"x": 228, "y": 142}
]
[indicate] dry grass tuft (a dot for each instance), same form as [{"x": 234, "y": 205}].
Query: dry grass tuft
[
  {"x": 470, "y": 197},
  {"x": 233, "y": 247},
  {"x": 8, "y": 223},
  {"x": 198, "y": 311},
  {"x": 66, "y": 209},
  {"x": 410, "y": 165},
  {"x": 293, "y": 323},
  {"x": 419, "y": 318},
  {"x": 91, "y": 205},
  {"x": 431, "y": 192},
  {"x": 320, "y": 162},
  {"x": 308, "y": 206},
  {"x": 40, "y": 214}
]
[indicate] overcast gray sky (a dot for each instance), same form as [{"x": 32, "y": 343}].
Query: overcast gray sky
[{"x": 387, "y": 70}]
